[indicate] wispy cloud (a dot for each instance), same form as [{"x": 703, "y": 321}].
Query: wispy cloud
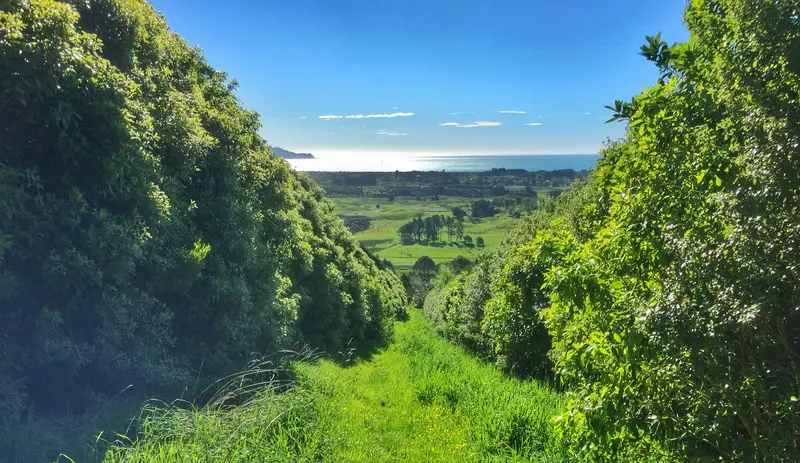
[
  {"x": 534, "y": 124},
  {"x": 394, "y": 107},
  {"x": 392, "y": 134},
  {"x": 509, "y": 111},
  {"x": 458, "y": 113},
  {"x": 586, "y": 114},
  {"x": 472, "y": 125},
  {"x": 365, "y": 116},
  {"x": 302, "y": 117}
]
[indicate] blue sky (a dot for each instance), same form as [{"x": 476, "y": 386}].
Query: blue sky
[{"x": 431, "y": 76}]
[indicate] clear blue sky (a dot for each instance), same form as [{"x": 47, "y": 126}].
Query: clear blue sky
[{"x": 445, "y": 61}]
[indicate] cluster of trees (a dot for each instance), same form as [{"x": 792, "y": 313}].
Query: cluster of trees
[
  {"x": 431, "y": 229},
  {"x": 663, "y": 293},
  {"x": 482, "y": 208},
  {"x": 517, "y": 205},
  {"x": 147, "y": 227}
]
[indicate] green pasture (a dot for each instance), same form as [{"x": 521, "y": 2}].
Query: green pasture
[{"x": 382, "y": 237}]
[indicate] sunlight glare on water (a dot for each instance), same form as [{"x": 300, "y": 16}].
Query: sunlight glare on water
[{"x": 455, "y": 163}]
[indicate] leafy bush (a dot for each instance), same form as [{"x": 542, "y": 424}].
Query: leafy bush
[
  {"x": 679, "y": 318},
  {"x": 147, "y": 227},
  {"x": 494, "y": 310}
]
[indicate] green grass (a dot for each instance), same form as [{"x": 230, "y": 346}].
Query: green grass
[
  {"x": 421, "y": 399},
  {"x": 382, "y": 236}
]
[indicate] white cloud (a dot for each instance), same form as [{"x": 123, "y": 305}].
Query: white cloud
[
  {"x": 365, "y": 116},
  {"x": 511, "y": 112},
  {"x": 302, "y": 117},
  {"x": 474, "y": 124},
  {"x": 392, "y": 134},
  {"x": 457, "y": 113},
  {"x": 586, "y": 114},
  {"x": 394, "y": 107},
  {"x": 534, "y": 124}
]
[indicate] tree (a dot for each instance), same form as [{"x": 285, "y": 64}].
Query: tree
[
  {"x": 459, "y": 213},
  {"x": 468, "y": 240},
  {"x": 460, "y": 264},
  {"x": 482, "y": 208},
  {"x": 425, "y": 265},
  {"x": 450, "y": 228},
  {"x": 479, "y": 242}
]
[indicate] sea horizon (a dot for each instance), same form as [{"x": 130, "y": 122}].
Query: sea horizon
[{"x": 444, "y": 162}]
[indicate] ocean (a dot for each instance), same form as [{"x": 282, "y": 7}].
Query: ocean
[{"x": 384, "y": 163}]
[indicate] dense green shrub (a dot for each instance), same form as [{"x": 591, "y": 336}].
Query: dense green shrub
[
  {"x": 494, "y": 309},
  {"x": 670, "y": 289},
  {"x": 679, "y": 318},
  {"x": 147, "y": 229}
]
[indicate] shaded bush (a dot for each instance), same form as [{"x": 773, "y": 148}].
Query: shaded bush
[{"x": 147, "y": 227}]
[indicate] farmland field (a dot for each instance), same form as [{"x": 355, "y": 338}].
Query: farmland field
[{"x": 382, "y": 238}]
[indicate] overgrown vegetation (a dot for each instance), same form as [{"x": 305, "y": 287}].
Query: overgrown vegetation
[
  {"x": 149, "y": 236},
  {"x": 671, "y": 297},
  {"x": 420, "y": 400},
  {"x": 148, "y": 233}
]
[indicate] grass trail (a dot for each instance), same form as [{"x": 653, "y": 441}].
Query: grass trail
[{"x": 421, "y": 400}]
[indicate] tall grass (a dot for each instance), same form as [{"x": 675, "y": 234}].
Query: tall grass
[
  {"x": 420, "y": 399},
  {"x": 258, "y": 415},
  {"x": 505, "y": 417}
]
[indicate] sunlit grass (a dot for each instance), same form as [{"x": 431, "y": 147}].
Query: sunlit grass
[{"x": 421, "y": 399}]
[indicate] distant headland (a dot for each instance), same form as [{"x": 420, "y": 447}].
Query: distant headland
[{"x": 286, "y": 154}]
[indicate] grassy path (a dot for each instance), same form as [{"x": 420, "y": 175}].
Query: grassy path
[{"x": 421, "y": 399}]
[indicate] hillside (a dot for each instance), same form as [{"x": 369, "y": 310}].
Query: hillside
[
  {"x": 286, "y": 154},
  {"x": 150, "y": 240}
]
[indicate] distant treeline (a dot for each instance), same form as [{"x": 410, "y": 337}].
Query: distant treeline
[{"x": 497, "y": 182}]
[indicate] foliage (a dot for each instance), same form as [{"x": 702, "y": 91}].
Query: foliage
[
  {"x": 679, "y": 318},
  {"x": 670, "y": 285},
  {"x": 356, "y": 223},
  {"x": 494, "y": 310},
  {"x": 459, "y": 213},
  {"x": 482, "y": 208},
  {"x": 431, "y": 229},
  {"x": 147, "y": 227}
]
